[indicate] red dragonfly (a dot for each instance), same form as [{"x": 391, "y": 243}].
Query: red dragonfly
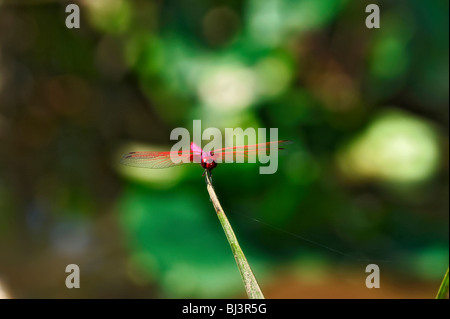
[{"x": 208, "y": 160}]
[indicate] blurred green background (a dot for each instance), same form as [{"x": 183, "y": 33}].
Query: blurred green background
[{"x": 365, "y": 181}]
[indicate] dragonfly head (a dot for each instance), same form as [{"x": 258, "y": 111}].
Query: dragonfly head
[{"x": 208, "y": 163}]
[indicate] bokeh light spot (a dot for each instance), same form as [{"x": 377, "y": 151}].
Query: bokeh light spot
[
  {"x": 396, "y": 147},
  {"x": 228, "y": 87}
]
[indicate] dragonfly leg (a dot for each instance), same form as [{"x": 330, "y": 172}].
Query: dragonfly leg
[
  {"x": 204, "y": 174},
  {"x": 207, "y": 173}
]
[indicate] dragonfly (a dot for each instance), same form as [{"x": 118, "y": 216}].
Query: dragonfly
[{"x": 207, "y": 159}]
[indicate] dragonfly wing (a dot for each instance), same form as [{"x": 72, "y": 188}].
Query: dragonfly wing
[
  {"x": 154, "y": 159},
  {"x": 243, "y": 152},
  {"x": 236, "y": 156},
  {"x": 263, "y": 146}
]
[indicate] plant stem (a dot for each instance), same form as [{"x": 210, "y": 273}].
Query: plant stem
[
  {"x": 443, "y": 290},
  {"x": 250, "y": 283}
]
